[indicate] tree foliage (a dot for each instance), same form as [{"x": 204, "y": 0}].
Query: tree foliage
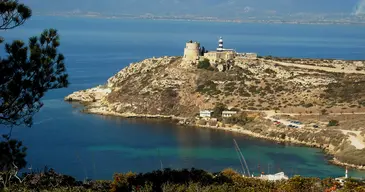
[
  {"x": 218, "y": 109},
  {"x": 202, "y": 51},
  {"x": 13, "y": 14},
  {"x": 27, "y": 72},
  {"x": 11, "y": 152}
]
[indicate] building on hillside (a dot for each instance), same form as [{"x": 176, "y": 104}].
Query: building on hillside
[
  {"x": 193, "y": 54},
  {"x": 221, "y": 54},
  {"x": 216, "y": 57},
  {"x": 206, "y": 113},
  {"x": 228, "y": 114}
]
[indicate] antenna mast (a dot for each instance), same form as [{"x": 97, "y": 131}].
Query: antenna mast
[
  {"x": 159, "y": 156},
  {"x": 239, "y": 157},
  {"x": 243, "y": 158}
]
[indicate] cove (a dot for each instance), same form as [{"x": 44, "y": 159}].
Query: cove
[{"x": 93, "y": 146}]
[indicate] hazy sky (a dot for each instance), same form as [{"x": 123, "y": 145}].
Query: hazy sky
[{"x": 200, "y": 7}]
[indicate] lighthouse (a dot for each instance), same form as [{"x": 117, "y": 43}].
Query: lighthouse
[{"x": 220, "y": 45}]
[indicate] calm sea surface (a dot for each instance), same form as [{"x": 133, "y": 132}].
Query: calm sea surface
[{"x": 95, "y": 147}]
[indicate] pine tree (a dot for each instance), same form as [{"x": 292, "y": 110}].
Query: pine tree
[{"x": 27, "y": 72}]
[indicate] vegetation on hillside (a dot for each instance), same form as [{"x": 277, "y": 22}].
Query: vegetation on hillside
[
  {"x": 218, "y": 109},
  {"x": 239, "y": 119},
  {"x": 349, "y": 90},
  {"x": 205, "y": 64},
  {"x": 332, "y": 123}
]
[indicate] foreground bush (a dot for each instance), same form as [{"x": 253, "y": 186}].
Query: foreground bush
[
  {"x": 49, "y": 180},
  {"x": 168, "y": 180},
  {"x": 225, "y": 181}
]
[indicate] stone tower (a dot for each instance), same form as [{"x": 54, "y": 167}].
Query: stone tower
[{"x": 191, "y": 52}]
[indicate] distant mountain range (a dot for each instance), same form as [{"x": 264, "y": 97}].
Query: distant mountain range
[{"x": 208, "y": 8}]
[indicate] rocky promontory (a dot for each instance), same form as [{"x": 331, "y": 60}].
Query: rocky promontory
[{"x": 168, "y": 87}]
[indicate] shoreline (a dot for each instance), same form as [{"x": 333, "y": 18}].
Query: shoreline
[
  {"x": 216, "y": 20},
  {"x": 233, "y": 129}
]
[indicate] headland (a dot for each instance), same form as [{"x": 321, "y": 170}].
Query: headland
[{"x": 313, "y": 102}]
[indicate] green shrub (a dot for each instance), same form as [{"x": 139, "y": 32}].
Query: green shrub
[
  {"x": 332, "y": 123},
  {"x": 205, "y": 64},
  {"x": 218, "y": 109},
  {"x": 307, "y": 105}
]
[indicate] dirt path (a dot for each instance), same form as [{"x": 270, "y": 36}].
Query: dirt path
[
  {"x": 333, "y": 70},
  {"x": 272, "y": 113}
]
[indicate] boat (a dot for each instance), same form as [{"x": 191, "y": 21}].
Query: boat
[{"x": 246, "y": 172}]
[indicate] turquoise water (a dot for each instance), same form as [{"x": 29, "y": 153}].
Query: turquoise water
[{"x": 94, "y": 146}]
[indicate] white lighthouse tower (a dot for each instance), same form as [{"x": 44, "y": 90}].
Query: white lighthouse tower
[{"x": 220, "y": 45}]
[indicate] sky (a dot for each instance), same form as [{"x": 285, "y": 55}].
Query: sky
[{"x": 219, "y": 8}]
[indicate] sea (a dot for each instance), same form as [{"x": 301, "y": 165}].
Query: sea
[{"x": 96, "y": 147}]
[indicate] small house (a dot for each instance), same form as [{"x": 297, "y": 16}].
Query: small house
[
  {"x": 206, "y": 114},
  {"x": 228, "y": 113}
]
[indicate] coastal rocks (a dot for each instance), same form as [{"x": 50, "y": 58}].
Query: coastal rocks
[
  {"x": 337, "y": 162},
  {"x": 122, "y": 107},
  {"x": 89, "y": 95}
]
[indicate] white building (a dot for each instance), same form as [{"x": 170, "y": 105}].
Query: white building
[
  {"x": 206, "y": 114},
  {"x": 228, "y": 113}
]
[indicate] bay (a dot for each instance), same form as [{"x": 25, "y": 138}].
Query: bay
[{"x": 92, "y": 146}]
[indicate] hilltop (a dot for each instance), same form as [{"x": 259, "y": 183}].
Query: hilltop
[{"x": 325, "y": 95}]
